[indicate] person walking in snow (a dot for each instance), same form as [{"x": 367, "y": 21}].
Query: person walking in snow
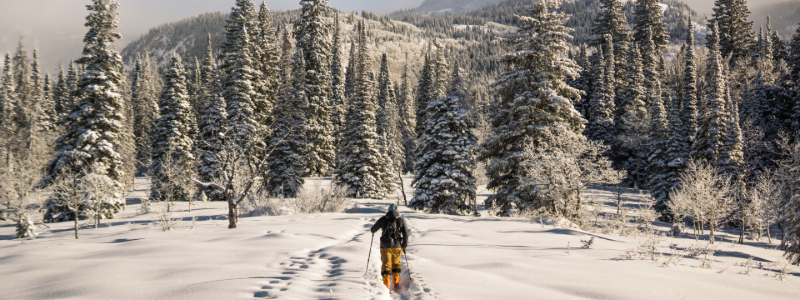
[{"x": 394, "y": 240}]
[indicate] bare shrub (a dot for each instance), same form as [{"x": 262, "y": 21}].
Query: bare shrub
[
  {"x": 315, "y": 199},
  {"x": 650, "y": 244},
  {"x": 587, "y": 244},
  {"x": 704, "y": 195},
  {"x": 784, "y": 268},
  {"x": 165, "y": 218},
  {"x": 704, "y": 252}
]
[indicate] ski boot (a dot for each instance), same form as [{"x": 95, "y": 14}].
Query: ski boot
[
  {"x": 386, "y": 281},
  {"x": 396, "y": 279}
]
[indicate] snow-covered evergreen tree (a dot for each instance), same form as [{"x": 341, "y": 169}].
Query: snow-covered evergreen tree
[
  {"x": 312, "y": 33},
  {"x": 388, "y": 121},
  {"x": 22, "y": 75},
  {"x": 712, "y": 117},
  {"x": 266, "y": 56},
  {"x": 534, "y": 104},
  {"x": 675, "y": 154},
  {"x": 601, "y": 125},
  {"x": 649, "y": 15},
  {"x": 48, "y": 117},
  {"x": 657, "y": 159},
  {"x": 440, "y": 71},
  {"x": 94, "y": 125},
  {"x": 211, "y": 127},
  {"x": 285, "y": 162},
  {"x": 173, "y": 160},
  {"x": 338, "y": 105},
  {"x": 349, "y": 75},
  {"x": 426, "y": 82},
  {"x": 237, "y": 87},
  {"x": 735, "y": 35},
  {"x": 73, "y": 76},
  {"x": 793, "y": 59},
  {"x": 443, "y": 174},
  {"x": 689, "y": 93},
  {"x": 145, "y": 109},
  {"x": 363, "y": 167},
  {"x": 631, "y": 126},
  {"x": 407, "y": 119},
  {"x": 61, "y": 93},
  {"x": 611, "y": 20}
]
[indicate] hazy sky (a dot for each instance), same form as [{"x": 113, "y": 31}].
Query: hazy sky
[{"x": 56, "y": 26}]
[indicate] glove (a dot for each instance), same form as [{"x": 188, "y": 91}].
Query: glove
[{"x": 404, "y": 249}]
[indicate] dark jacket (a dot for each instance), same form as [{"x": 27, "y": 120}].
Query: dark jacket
[{"x": 381, "y": 224}]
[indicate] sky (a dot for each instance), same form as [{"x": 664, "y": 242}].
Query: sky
[{"x": 56, "y": 28}]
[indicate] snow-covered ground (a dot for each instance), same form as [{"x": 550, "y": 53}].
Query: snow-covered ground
[{"x": 324, "y": 256}]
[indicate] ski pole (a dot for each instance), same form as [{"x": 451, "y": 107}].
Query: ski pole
[
  {"x": 370, "y": 252},
  {"x": 407, "y": 267}
]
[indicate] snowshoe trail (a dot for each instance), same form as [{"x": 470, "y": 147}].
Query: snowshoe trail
[
  {"x": 417, "y": 288},
  {"x": 332, "y": 271}
]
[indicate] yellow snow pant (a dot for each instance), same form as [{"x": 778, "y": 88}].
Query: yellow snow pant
[{"x": 390, "y": 257}]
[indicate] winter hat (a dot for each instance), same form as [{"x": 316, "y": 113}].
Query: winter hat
[{"x": 393, "y": 207}]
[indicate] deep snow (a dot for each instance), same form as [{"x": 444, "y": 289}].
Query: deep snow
[{"x": 323, "y": 256}]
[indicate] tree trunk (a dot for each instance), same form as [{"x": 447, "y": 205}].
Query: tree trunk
[
  {"x": 402, "y": 186},
  {"x": 711, "y": 233},
  {"x": 232, "y": 217}
]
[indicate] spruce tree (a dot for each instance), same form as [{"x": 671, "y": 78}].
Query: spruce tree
[
  {"x": 407, "y": 120},
  {"x": 266, "y": 57},
  {"x": 22, "y": 75},
  {"x": 338, "y": 105},
  {"x": 238, "y": 92},
  {"x": 534, "y": 105},
  {"x": 48, "y": 117},
  {"x": 632, "y": 124},
  {"x": 649, "y": 15},
  {"x": 689, "y": 110},
  {"x": 312, "y": 33},
  {"x": 349, "y": 75},
  {"x": 657, "y": 143},
  {"x": 426, "y": 82},
  {"x": 388, "y": 121},
  {"x": 285, "y": 162},
  {"x": 735, "y": 35},
  {"x": 211, "y": 127},
  {"x": 443, "y": 174},
  {"x": 440, "y": 73},
  {"x": 145, "y": 108},
  {"x": 712, "y": 119},
  {"x": 73, "y": 76},
  {"x": 611, "y": 20},
  {"x": 173, "y": 160},
  {"x": 794, "y": 56},
  {"x": 94, "y": 125},
  {"x": 61, "y": 93},
  {"x": 601, "y": 126},
  {"x": 363, "y": 167},
  {"x": 675, "y": 145},
  {"x": 35, "y": 98}
]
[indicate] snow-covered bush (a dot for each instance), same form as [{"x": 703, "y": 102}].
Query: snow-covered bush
[
  {"x": 704, "y": 196},
  {"x": 314, "y": 199}
]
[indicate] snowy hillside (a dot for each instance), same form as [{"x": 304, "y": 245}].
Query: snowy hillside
[{"x": 324, "y": 256}]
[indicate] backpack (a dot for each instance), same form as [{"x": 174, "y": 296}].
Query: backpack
[{"x": 392, "y": 232}]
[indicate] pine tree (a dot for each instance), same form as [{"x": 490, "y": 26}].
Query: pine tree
[
  {"x": 94, "y": 125},
  {"x": 649, "y": 15},
  {"x": 73, "y": 76},
  {"x": 443, "y": 174},
  {"x": 266, "y": 57},
  {"x": 362, "y": 169},
  {"x": 388, "y": 121},
  {"x": 794, "y": 57},
  {"x": 349, "y": 75},
  {"x": 35, "y": 97},
  {"x": 238, "y": 91},
  {"x": 285, "y": 162},
  {"x": 584, "y": 82},
  {"x": 732, "y": 149},
  {"x": 611, "y": 20},
  {"x": 48, "y": 117},
  {"x": 173, "y": 161},
  {"x": 211, "y": 127},
  {"x": 312, "y": 33},
  {"x": 61, "y": 93},
  {"x": 601, "y": 125},
  {"x": 675, "y": 146},
  {"x": 145, "y": 108},
  {"x": 440, "y": 70},
  {"x": 734, "y": 30},
  {"x": 657, "y": 143},
  {"x": 689, "y": 110},
  {"x": 22, "y": 75},
  {"x": 9, "y": 110},
  {"x": 426, "y": 81},
  {"x": 338, "y": 104},
  {"x": 712, "y": 119},
  {"x": 407, "y": 120},
  {"x": 534, "y": 105},
  {"x": 631, "y": 126}
]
